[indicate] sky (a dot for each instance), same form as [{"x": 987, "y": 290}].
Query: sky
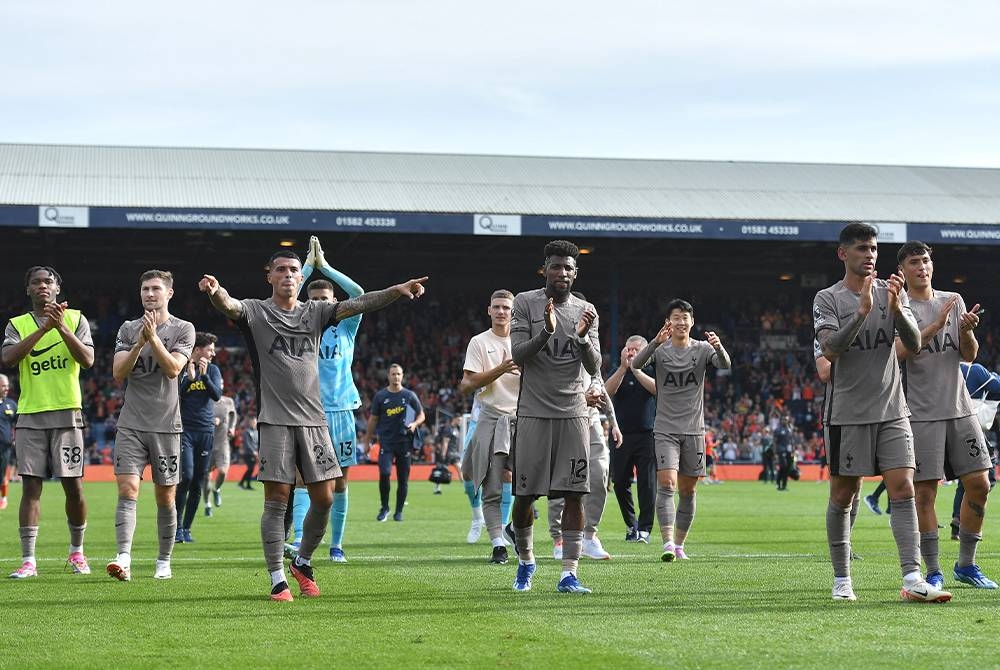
[{"x": 850, "y": 81}]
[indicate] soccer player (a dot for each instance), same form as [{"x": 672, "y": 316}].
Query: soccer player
[
  {"x": 679, "y": 363},
  {"x": 823, "y": 372},
  {"x": 49, "y": 345},
  {"x": 150, "y": 353},
  {"x": 865, "y": 414},
  {"x": 634, "y": 395},
  {"x": 784, "y": 451},
  {"x": 224, "y": 420},
  {"x": 554, "y": 343},
  {"x": 396, "y": 413},
  {"x": 251, "y": 446},
  {"x": 492, "y": 375},
  {"x": 984, "y": 389},
  {"x": 947, "y": 439},
  {"x": 599, "y": 464},
  {"x": 336, "y": 385},
  {"x": 283, "y": 336},
  {"x": 8, "y": 417},
  {"x": 200, "y": 389}
]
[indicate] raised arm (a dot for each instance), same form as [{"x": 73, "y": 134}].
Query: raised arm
[
  {"x": 927, "y": 332},
  {"x": 316, "y": 259},
  {"x": 213, "y": 381},
  {"x": 171, "y": 362},
  {"x": 375, "y": 300},
  {"x": 906, "y": 324},
  {"x": 590, "y": 348},
  {"x": 612, "y": 383},
  {"x": 723, "y": 361},
  {"x": 835, "y": 338},
  {"x": 124, "y": 360},
  {"x": 81, "y": 353},
  {"x": 220, "y": 297},
  {"x": 522, "y": 345},
  {"x": 968, "y": 345},
  {"x": 643, "y": 356}
]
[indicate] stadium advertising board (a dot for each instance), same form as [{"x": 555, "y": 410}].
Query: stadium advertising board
[{"x": 54, "y": 215}]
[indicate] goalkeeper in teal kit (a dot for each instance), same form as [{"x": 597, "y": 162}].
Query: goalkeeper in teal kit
[{"x": 339, "y": 394}]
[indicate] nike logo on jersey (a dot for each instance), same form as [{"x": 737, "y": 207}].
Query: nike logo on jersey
[
  {"x": 491, "y": 351},
  {"x": 385, "y": 402},
  {"x": 39, "y": 352}
]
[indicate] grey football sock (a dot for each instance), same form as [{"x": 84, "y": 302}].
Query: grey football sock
[
  {"x": 28, "y": 536},
  {"x": 665, "y": 512},
  {"x": 526, "y": 542},
  {"x": 967, "y": 547},
  {"x": 272, "y": 534},
  {"x": 685, "y": 516},
  {"x": 313, "y": 529},
  {"x": 572, "y": 545},
  {"x": 838, "y": 535},
  {"x": 904, "y": 530},
  {"x": 166, "y": 529},
  {"x": 855, "y": 505},
  {"x": 76, "y": 534},
  {"x": 125, "y": 524},
  {"x": 930, "y": 551},
  {"x": 491, "y": 514}
]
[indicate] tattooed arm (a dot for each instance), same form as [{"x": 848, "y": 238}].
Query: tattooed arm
[
  {"x": 375, "y": 300},
  {"x": 220, "y": 297}
]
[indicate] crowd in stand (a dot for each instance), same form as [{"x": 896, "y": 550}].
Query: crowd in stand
[{"x": 771, "y": 346}]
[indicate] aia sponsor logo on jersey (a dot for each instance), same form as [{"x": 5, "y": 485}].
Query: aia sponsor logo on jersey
[
  {"x": 867, "y": 340},
  {"x": 679, "y": 379},
  {"x": 940, "y": 344},
  {"x": 293, "y": 346},
  {"x": 567, "y": 349}
]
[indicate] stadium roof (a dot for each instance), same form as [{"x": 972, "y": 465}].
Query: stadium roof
[{"x": 327, "y": 180}]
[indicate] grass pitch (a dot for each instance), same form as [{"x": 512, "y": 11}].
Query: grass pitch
[{"x": 755, "y": 594}]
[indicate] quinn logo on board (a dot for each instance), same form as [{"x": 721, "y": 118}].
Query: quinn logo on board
[
  {"x": 51, "y": 216},
  {"x": 889, "y": 232},
  {"x": 496, "y": 224}
]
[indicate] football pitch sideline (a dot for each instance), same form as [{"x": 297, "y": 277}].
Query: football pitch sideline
[{"x": 755, "y": 594}]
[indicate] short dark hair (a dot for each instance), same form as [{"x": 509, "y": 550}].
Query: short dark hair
[
  {"x": 319, "y": 284},
  {"x": 501, "y": 293},
  {"x": 912, "y": 248},
  {"x": 164, "y": 275},
  {"x": 561, "y": 248},
  {"x": 854, "y": 232},
  {"x": 204, "y": 339},
  {"x": 395, "y": 365},
  {"x": 41, "y": 268},
  {"x": 282, "y": 253},
  {"x": 682, "y": 305}
]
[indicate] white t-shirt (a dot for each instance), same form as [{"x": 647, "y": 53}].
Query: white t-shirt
[{"x": 486, "y": 351}]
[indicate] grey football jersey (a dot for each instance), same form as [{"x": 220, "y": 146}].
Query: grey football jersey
[
  {"x": 554, "y": 380},
  {"x": 865, "y": 381},
  {"x": 152, "y": 402},
  {"x": 680, "y": 386},
  {"x": 935, "y": 388},
  {"x": 223, "y": 409},
  {"x": 284, "y": 348}
]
